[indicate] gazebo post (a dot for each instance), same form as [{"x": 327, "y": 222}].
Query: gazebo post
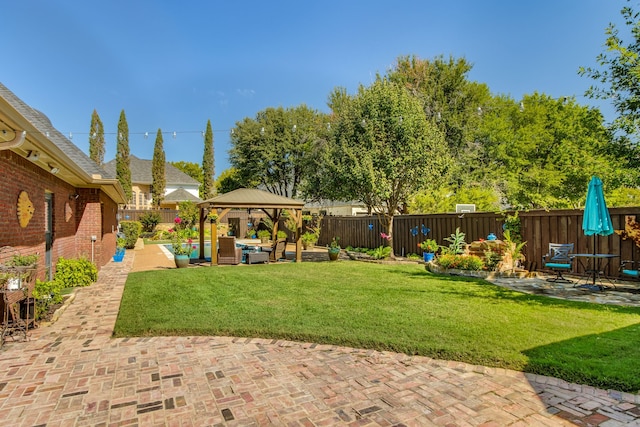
[
  {"x": 214, "y": 243},
  {"x": 298, "y": 235},
  {"x": 201, "y": 237}
]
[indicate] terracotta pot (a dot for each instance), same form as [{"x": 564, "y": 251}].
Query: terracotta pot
[{"x": 182, "y": 261}]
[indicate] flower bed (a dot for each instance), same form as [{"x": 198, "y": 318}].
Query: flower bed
[{"x": 482, "y": 274}]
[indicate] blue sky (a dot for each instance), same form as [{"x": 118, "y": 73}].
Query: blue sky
[{"x": 174, "y": 65}]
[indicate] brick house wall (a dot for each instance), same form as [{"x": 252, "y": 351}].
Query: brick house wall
[{"x": 75, "y": 219}]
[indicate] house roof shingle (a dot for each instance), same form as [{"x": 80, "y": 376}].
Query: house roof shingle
[
  {"x": 43, "y": 125},
  {"x": 181, "y": 195},
  {"x": 141, "y": 172}
]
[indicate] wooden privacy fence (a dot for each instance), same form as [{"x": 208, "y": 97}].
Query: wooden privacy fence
[{"x": 538, "y": 229}]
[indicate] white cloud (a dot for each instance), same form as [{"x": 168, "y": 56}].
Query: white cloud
[{"x": 246, "y": 93}]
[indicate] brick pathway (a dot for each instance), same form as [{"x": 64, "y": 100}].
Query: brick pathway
[{"x": 72, "y": 373}]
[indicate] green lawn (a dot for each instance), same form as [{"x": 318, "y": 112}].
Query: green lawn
[{"x": 400, "y": 308}]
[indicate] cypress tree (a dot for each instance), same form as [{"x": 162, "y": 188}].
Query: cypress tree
[
  {"x": 96, "y": 139},
  {"x": 123, "y": 167},
  {"x": 158, "y": 172},
  {"x": 207, "y": 164}
]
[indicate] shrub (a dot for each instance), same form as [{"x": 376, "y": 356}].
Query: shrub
[
  {"x": 131, "y": 230},
  {"x": 264, "y": 234},
  {"x": 462, "y": 262},
  {"x": 381, "y": 252},
  {"x": 46, "y": 294},
  {"x": 471, "y": 262},
  {"x": 149, "y": 220},
  {"x": 75, "y": 272},
  {"x": 492, "y": 259},
  {"x": 449, "y": 261},
  {"x": 281, "y": 234}
]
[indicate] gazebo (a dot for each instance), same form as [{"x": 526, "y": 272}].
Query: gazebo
[{"x": 248, "y": 198}]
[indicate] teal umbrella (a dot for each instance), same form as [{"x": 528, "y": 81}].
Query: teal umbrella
[{"x": 596, "y": 219}]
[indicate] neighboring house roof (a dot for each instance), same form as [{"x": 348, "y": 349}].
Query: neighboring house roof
[
  {"x": 181, "y": 195},
  {"x": 333, "y": 204},
  {"x": 53, "y": 148},
  {"x": 141, "y": 172}
]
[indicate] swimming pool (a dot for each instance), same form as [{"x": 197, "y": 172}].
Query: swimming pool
[{"x": 195, "y": 254}]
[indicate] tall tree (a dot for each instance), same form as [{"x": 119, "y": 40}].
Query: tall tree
[
  {"x": 275, "y": 149},
  {"x": 381, "y": 151},
  {"x": 158, "y": 171},
  {"x": 96, "y": 139},
  {"x": 207, "y": 189},
  {"x": 617, "y": 77},
  {"x": 450, "y": 101},
  {"x": 123, "y": 163},
  {"x": 543, "y": 155}
]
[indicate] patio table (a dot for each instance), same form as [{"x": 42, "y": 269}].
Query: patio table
[{"x": 594, "y": 266}]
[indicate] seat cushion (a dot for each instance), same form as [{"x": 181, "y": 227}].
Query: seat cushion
[
  {"x": 633, "y": 273},
  {"x": 557, "y": 265}
]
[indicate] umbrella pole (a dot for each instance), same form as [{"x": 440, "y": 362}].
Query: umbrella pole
[{"x": 594, "y": 260}]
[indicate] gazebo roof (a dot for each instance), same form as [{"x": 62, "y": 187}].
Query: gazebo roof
[{"x": 251, "y": 198}]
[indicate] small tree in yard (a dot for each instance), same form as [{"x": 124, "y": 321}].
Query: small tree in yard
[
  {"x": 158, "y": 171},
  {"x": 96, "y": 139},
  {"x": 381, "y": 151},
  {"x": 207, "y": 164},
  {"x": 123, "y": 163}
]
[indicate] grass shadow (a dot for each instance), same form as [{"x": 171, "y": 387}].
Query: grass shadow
[{"x": 566, "y": 359}]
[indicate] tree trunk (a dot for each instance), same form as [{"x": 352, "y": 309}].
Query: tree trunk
[{"x": 389, "y": 219}]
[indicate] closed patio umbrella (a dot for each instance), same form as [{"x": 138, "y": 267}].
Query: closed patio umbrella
[{"x": 596, "y": 219}]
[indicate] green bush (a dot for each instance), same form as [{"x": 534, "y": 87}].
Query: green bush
[
  {"x": 381, "y": 252},
  {"x": 471, "y": 262},
  {"x": 149, "y": 220},
  {"x": 131, "y": 230},
  {"x": 75, "y": 272},
  {"x": 462, "y": 262},
  {"x": 492, "y": 259},
  {"x": 46, "y": 294}
]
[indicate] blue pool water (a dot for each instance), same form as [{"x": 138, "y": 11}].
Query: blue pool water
[{"x": 195, "y": 254}]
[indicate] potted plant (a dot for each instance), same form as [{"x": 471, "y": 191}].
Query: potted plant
[
  {"x": 430, "y": 247},
  {"x": 334, "y": 249},
  {"x": 18, "y": 270},
  {"x": 121, "y": 243},
  {"x": 309, "y": 239},
  {"x": 181, "y": 250},
  {"x": 264, "y": 236}
]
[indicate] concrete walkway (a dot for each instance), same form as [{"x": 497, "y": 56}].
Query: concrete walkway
[{"x": 72, "y": 373}]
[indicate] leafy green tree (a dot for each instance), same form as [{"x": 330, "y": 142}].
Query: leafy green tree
[
  {"x": 123, "y": 163},
  {"x": 192, "y": 169},
  {"x": 207, "y": 188},
  {"x": 96, "y": 139},
  {"x": 543, "y": 155},
  {"x": 617, "y": 75},
  {"x": 158, "y": 171},
  {"x": 275, "y": 149},
  {"x": 444, "y": 199},
  {"x": 382, "y": 150},
  {"x": 617, "y": 79},
  {"x": 228, "y": 180},
  {"x": 450, "y": 101}
]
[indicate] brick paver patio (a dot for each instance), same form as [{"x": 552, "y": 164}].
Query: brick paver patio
[{"x": 72, "y": 373}]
